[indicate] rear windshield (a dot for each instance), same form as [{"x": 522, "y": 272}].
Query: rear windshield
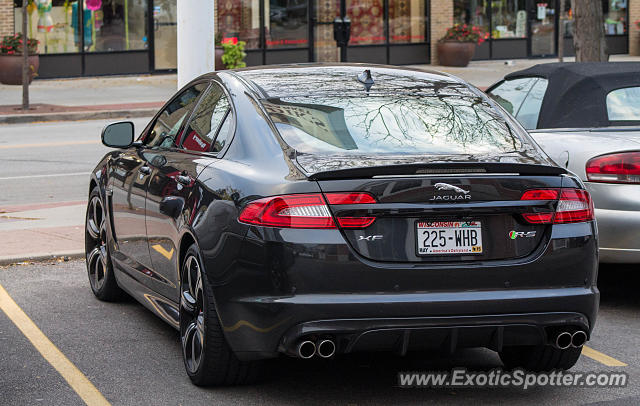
[
  {"x": 398, "y": 124},
  {"x": 624, "y": 104}
]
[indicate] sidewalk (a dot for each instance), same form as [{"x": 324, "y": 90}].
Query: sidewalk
[
  {"x": 41, "y": 231},
  {"x": 87, "y": 98}
]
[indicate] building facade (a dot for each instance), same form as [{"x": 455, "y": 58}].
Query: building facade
[{"x": 98, "y": 37}]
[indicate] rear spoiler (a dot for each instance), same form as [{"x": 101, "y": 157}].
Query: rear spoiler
[{"x": 451, "y": 168}]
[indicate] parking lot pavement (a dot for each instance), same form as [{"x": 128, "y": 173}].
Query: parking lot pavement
[{"x": 134, "y": 358}]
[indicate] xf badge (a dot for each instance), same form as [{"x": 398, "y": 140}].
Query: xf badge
[{"x": 369, "y": 237}]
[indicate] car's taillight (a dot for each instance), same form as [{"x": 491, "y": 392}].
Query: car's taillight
[
  {"x": 622, "y": 167},
  {"x": 574, "y": 206},
  {"x": 304, "y": 211}
]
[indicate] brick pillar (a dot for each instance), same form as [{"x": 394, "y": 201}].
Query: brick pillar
[
  {"x": 634, "y": 31},
  {"x": 6, "y": 17},
  {"x": 441, "y": 18}
]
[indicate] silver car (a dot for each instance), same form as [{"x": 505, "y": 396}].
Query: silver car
[{"x": 586, "y": 117}]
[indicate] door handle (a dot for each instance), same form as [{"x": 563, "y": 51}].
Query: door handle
[
  {"x": 145, "y": 169},
  {"x": 184, "y": 179}
]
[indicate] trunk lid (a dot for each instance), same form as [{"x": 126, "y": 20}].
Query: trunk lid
[{"x": 481, "y": 197}]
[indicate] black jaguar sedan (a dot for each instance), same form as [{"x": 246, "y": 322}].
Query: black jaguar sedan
[{"x": 319, "y": 210}]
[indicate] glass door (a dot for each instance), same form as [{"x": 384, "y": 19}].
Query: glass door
[
  {"x": 165, "y": 24},
  {"x": 542, "y": 23}
]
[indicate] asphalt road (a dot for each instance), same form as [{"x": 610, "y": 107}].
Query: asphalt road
[
  {"x": 50, "y": 162},
  {"x": 133, "y": 358}
]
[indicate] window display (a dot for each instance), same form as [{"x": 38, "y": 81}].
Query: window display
[
  {"x": 239, "y": 19},
  {"x": 407, "y": 21},
  {"x": 115, "y": 25},
  {"x": 52, "y": 22},
  {"x": 508, "y": 19},
  {"x": 471, "y": 12}
]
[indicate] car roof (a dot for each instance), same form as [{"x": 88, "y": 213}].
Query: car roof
[
  {"x": 576, "y": 92},
  {"x": 315, "y": 79}
]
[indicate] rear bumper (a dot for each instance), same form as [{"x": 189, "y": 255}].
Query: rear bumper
[
  {"x": 618, "y": 216},
  {"x": 468, "y": 319},
  {"x": 286, "y": 285},
  {"x": 618, "y": 235},
  {"x": 444, "y": 333}
]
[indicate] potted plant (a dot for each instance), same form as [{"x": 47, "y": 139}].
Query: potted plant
[
  {"x": 11, "y": 59},
  {"x": 219, "y": 52},
  {"x": 458, "y": 45},
  {"x": 234, "y": 54}
]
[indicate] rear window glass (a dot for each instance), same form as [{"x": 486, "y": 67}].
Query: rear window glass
[
  {"x": 399, "y": 124},
  {"x": 624, "y": 104}
]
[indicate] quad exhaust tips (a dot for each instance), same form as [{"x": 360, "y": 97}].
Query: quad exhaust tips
[
  {"x": 566, "y": 339},
  {"x": 306, "y": 349},
  {"x": 563, "y": 340},
  {"x": 578, "y": 339},
  {"x": 326, "y": 348}
]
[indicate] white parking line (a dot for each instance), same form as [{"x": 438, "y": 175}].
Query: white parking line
[{"x": 50, "y": 175}]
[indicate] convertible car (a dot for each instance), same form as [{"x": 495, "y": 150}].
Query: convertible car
[
  {"x": 586, "y": 117},
  {"x": 319, "y": 210}
]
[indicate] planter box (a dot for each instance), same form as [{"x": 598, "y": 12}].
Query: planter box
[
  {"x": 454, "y": 53},
  {"x": 11, "y": 68}
]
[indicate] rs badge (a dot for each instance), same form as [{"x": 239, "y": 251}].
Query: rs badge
[{"x": 515, "y": 234}]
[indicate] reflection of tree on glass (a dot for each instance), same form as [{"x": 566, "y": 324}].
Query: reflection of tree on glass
[{"x": 434, "y": 124}]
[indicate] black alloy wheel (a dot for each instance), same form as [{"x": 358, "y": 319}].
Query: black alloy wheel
[
  {"x": 208, "y": 358},
  {"x": 99, "y": 267}
]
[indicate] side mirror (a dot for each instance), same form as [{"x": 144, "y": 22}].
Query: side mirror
[{"x": 118, "y": 135}]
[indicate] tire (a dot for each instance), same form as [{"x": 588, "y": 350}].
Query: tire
[
  {"x": 208, "y": 359},
  {"x": 98, "y": 258},
  {"x": 540, "y": 358}
]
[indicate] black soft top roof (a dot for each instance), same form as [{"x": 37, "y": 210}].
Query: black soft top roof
[{"x": 576, "y": 93}]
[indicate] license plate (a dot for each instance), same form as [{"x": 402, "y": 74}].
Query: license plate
[{"x": 449, "y": 237}]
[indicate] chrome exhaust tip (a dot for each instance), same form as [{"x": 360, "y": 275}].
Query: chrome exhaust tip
[
  {"x": 578, "y": 339},
  {"x": 563, "y": 340},
  {"x": 306, "y": 349},
  {"x": 326, "y": 348}
]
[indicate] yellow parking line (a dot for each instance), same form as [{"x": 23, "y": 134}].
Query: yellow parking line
[
  {"x": 602, "y": 358},
  {"x": 76, "y": 379},
  {"x": 49, "y": 144}
]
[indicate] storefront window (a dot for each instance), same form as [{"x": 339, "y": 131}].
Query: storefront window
[
  {"x": 52, "y": 22},
  {"x": 615, "y": 17},
  {"x": 471, "y": 12},
  {"x": 115, "y": 25},
  {"x": 508, "y": 19},
  {"x": 407, "y": 21},
  {"x": 366, "y": 22},
  {"x": 239, "y": 19},
  {"x": 288, "y": 26},
  {"x": 614, "y": 13}
]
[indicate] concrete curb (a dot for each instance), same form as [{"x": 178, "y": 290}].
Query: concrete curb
[
  {"x": 76, "y": 116},
  {"x": 10, "y": 260}
]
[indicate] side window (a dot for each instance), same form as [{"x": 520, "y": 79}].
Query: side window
[
  {"x": 223, "y": 133},
  {"x": 624, "y": 104},
  {"x": 164, "y": 132},
  {"x": 511, "y": 93},
  {"x": 206, "y": 120},
  {"x": 529, "y": 111}
]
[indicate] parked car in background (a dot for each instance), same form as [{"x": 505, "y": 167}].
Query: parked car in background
[
  {"x": 319, "y": 210},
  {"x": 586, "y": 117}
]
